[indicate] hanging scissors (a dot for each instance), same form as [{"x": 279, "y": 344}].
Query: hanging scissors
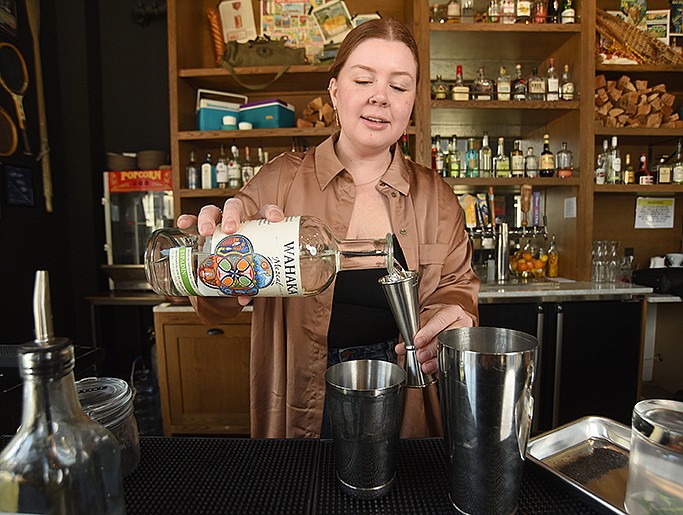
[{"x": 14, "y": 78}]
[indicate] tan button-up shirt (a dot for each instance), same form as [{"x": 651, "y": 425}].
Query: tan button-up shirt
[{"x": 289, "y": 335}]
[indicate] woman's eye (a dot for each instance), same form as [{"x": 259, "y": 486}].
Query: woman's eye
[
  {"x": 399, "y": 88},
  {"x": 362, "y": 82}
]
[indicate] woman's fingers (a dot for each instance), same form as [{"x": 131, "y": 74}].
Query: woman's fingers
[
  {"x": 184, "y": 221},
  {"x": 426, "y": 342},
  {"x": 207, "y": 220},
  {"x": 232, "y": 215},
  {"x": 272, "y": 213}
]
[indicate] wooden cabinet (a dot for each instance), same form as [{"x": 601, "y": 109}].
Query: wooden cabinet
[{"x": 203, "y": 372}]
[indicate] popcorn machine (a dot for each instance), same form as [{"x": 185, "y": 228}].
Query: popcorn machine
[{"x": 136, "y": 203}]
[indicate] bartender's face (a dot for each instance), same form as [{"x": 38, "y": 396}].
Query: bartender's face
[{"x": 374, "y": 94}]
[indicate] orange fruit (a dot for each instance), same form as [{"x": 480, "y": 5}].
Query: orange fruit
[
  {"x": 538, "y": 263},
  {"x": 527, "y": 256},
  {"x": 544, "y": 257},
  {"x": 521, "y": 266}
]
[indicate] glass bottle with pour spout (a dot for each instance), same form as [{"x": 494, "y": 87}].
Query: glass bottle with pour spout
[
  {"x": 60, "y": 461},
  {"x": 298, "y": 256}
]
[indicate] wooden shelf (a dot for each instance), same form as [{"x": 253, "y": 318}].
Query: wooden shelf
[
  {"x": 513, "y": 181},
  {"x": 638, "y": 68},
  {"x": 637, "y": 188},
  {"x": 285, "y": 133},
  {"x": 638, "y": 132},
  {"x": 545, "y": 28},
  {"x": 497, "y": 104}
]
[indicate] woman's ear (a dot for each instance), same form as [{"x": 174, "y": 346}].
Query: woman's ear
[{"x": 332, "y": 89}]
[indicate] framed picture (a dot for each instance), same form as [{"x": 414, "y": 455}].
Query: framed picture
[
  {"x": 334, "y": 21},
  {"x": 676, "y": 18},
  {"x": 362, "y": 18},
  {"x": 237, "y": 19},
  {"x": 8, "y": 17},
  {"x": 657, "y": 24}
]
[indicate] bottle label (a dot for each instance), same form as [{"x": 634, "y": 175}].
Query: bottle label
[
  {"x": 518, "y": 166},
  {"x": 504, "y": 90},
  {"x": 568, "y": 91},
  {"x": 207, "y": 176},
  {"x": 181, "y": 270},
  {"x": 664, "y": 174},
  {"x": 677, "y": 174},
  {"x": 221, "y": 172},
  {"x": 547, "y": 162},
  {"x": 568, "y": 16}
]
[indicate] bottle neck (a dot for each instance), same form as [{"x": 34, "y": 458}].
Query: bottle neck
[{"x": 365, "y": 254}]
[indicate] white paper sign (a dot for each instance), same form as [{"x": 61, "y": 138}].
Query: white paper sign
[{"x": 654, "y": 213}]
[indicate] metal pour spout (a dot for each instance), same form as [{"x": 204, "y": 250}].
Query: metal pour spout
[
  {"x": 401, "y": 292},
  {"x": 42, "y": 308}
]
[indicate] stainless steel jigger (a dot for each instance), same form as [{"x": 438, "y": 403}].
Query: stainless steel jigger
[{"x": 401, "y": 292}]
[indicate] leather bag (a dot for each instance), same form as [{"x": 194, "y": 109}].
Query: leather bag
[{"x": 261, "y": 51}]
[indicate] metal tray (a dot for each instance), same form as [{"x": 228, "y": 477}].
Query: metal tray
[{"x": 589, "y": 454}]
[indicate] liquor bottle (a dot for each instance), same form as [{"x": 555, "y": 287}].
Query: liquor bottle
[
  {"x": 235, "y": 169},
  {"x": 531, "y": 163},
  {"x": 677, "y": 172},
  {"x": 547, "y": 167},
  {"x": 440, "y": 89},
  {"x": 501, "y": 163},
  {"x": 259, "y": 160},
  {"x": 471, "y": 159},
  {"x": 629, "y": 172},
  {"x": 434, "y": 13},
  {"x": 508, "y": 11},
  {"x": 434, "y": 151},
  {"x": 459, "y": 91},
  {"x": 519, "y": 89},
  {"x": 553, "y": 11},
  {"x": 536, "y": 85},
  {"x": 485, "y": 157},
  {"x": 539, "y": 11},
  {"x": 566, "y": 85},
  {"x": 439, "y": 157},
  {"x": 467, "y": 11},
  {"x": 567, "y": 12},
  {"x": 405, "y": 147},
  {"x": 298, "y": 256},
  {"x": 482, "y": 89},
  {"x": 565, "y": 162},
  {"x": 208, "y": 173},
  {"x": 453, "y": 11},
  {"x": 494, "y": 11},
  {"x": 192, "y": 172},
  {"x": 523, "y": 11},
  {"x": 517, "y": 159},
  {"x": 552, "y": 82},
  {"x": 222, "y": 169},
  {"x": 613, "y": 164},
  {"x": 553, "y": 259},
  {"x": 504, "y": 85},
  {"x": 645, "y": 176},
  {"x": 663, "y": 169},
  {"x": 247, "y": 167},
  {"x": 453, "y": 157},
  {"x": 59, "y": 461},
  {"x": 600, "y": 172}
]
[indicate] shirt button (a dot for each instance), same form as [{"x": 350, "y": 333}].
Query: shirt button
[
  {"x": 393, "y": 194},
  {"x": 403, "y": 231}
]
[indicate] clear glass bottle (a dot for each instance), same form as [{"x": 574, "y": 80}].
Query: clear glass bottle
[
  {"x": 536, "y": 86},
  {"x": 260, "y": 160},
  {"x": 501, "y": 163},
  {"x": 439, "y": 158},
  {"x": 508, "y": 11},
  {"x": 677, "y": 172},
  {"x": 494, "y": 11},
  {"x": 552, "y": 82},
  {"x": 517, "y": 159},
  {"x": 453, "y": 11},
  {"x": 523, "y": 11},
  {"x": 459, "y": 91},
  {"x": 471, "y": 159},
  {"x": 467, "y": 11},
  {"x": 600, "y": 171},
  {"x": 629, "y": 171},
  {"x": 192, "y": 175},
  {"x": 485, "y": 157},
  {"x": 234, "y": 169},
  {"x": 208, "y": 173},
  {"x": 298, "y": 256},
  {"x": 503, "y": 85},
  {"x": 531, "y": 163},
  {"x": 553, "y": 259},
  {"x": 519, "y": 89},
  {"x": 567, "y": 12},
  {"x": 222, "y": 169},
  {"x": 59, "y": 461},
  {"x": 547, "y": 165},
  {"x": 482, "y": 89},
  {"x": 613, "y": 164},
  {"x": 539, "y": 11},
  {"x": 565, "y": 162},
  {"x": 453, "y": 157},
  {"x": 566, "y": 84},
  {"x": 247, "y": 167}
]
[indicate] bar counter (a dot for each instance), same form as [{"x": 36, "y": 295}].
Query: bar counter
[{"x": 184, "y": 475}]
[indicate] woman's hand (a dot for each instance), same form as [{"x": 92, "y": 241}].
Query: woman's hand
[
  {"x": 426, "y": 343},
  {"x": 230, "y": 218}
]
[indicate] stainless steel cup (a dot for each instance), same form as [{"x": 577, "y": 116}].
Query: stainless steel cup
[
  {"x": 486, "y": 380},
  {"x": 365, "y": 402}
]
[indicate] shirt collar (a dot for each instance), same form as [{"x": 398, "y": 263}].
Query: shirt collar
[{"x": 328, "y": 166}]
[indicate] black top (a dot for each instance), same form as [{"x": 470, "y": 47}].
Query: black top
[{"x": 360, "y": 312}]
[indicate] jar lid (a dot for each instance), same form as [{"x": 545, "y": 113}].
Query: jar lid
[{"x": 107, "y": 400}]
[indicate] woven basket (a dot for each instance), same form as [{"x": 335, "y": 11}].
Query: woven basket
[{"x": 643, "y": 45}]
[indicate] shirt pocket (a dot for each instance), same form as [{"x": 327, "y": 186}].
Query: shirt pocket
[{"x": 433, "y": 254}]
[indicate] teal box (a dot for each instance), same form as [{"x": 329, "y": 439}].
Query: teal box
[
  {"x": 211, "y": 108},
  {"x": 268, "y": 114}
]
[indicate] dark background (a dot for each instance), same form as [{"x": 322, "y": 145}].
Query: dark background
[{"x": 106, "y": 90}]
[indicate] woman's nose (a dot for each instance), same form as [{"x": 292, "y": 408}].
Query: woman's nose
[{"x": 379, "y": 98}]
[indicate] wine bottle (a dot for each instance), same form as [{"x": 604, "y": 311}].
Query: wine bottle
[{"x": 298, "y": 256}]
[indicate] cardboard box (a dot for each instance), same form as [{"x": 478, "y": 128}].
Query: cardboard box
[
  {"x": 268, "y": 114},
  {"x": 212, "y": 106}
]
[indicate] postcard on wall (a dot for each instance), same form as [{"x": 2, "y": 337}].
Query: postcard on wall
[
  {"x": 334, "y": 21},
  {"x": 657, "y": 24},
  {"x": 237, "y": 19},
  {"x": 291, "y": 19},
  {"x": 676, "y": 26},
  {"x": 634, "y": 10},
  {"x": 8, "y": 17}
]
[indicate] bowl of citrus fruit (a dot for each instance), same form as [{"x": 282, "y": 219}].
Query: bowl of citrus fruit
[{"x": 529, "y": 262}]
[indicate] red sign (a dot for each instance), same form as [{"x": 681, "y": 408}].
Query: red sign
[{"x": 126, "y": 181}]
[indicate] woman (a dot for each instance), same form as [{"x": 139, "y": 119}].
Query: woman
[{"x": 358, "y": 182}]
